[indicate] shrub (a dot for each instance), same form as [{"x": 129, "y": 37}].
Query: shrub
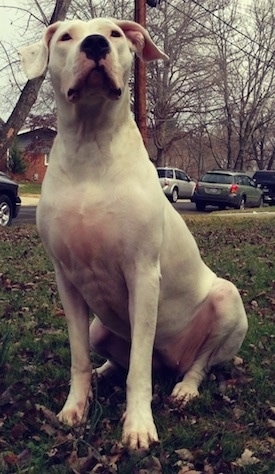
[{"x": 17, "y": 164}]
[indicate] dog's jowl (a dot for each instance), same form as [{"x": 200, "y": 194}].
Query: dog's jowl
[{"x": 112, "y": 239}]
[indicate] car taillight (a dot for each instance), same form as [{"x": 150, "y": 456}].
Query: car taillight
[
  {"x": 234, "y": 188},
  {"x": 197, "y": 186}
]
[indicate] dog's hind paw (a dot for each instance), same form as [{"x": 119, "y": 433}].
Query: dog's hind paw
[
  {"x": 183, "y": 392},
  {"x": 107, "y": 370}
]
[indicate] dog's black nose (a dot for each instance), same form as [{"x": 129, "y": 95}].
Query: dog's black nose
[{"x": 95, "y": 47}]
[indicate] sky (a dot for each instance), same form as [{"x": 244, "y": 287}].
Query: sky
[
  {"x": 6, "y": 18},
  {"x": 13, "y": 35},
  {"x": 10, "y": 18}
]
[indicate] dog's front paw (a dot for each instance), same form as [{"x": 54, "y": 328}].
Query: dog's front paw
[
  {"x": 184, "y": 392},
  {"x": 139, "y": 431}
]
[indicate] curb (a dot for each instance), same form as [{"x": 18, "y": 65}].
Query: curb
[{"x": 29, "y": 200}]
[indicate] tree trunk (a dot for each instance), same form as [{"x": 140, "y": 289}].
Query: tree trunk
[{"x": 9, "y": 130}]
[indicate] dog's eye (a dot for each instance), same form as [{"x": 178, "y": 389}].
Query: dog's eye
[
  {"x": 115, "y": 33},
  {"x": 66, "y": 37}
]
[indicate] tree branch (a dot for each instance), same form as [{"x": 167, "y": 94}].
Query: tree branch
[{"x": 29, "y": 93}]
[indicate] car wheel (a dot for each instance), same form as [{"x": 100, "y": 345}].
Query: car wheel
[
  {"x": 200, "y": 206},
  {"x": 261, "y": 202},
  {"x": 241, "y": 204},
  {"x": 175, "y": 195},
  {"x": 5, "y": 211}
]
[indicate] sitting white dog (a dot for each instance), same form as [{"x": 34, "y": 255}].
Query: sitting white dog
[{"x": 118, "y": 246}]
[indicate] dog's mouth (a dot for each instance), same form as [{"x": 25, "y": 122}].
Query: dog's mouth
[{"x": 96, "y": 80}]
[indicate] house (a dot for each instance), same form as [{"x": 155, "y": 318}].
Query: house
[
  {"x": 35, "y": 145},
  {"x": 3, "y": 160}
]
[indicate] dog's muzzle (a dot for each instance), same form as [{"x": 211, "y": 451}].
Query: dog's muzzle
[
  {"x": 95, "y": 47},
  {"x": 95, "y": 72}
]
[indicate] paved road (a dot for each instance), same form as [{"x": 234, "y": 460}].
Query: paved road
[
  {"x": 26, "y": 215},
  {"x": 184, "y": 205},
  {"x": 27, "y": 211}
]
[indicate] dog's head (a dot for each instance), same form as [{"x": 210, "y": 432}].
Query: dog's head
[{"x": 89, "y": 58}]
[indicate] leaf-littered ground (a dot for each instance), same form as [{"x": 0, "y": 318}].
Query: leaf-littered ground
[{"x": 230, "y": 428}]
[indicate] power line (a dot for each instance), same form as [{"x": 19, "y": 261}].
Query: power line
[
  {"x": 232, "y": 27},
  {"x": 243, "y": 50}
]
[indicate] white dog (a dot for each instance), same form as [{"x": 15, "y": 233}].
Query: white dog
[{"x": 118, "y": 246}]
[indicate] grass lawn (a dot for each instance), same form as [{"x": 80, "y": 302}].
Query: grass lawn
[
  {"x": 230, "y": 428},
  {"x": 266, "y": 208},
  {"x": 29, "y": 188}
]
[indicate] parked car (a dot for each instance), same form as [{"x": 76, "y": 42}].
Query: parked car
[
  {"x": 176, "y": 184},
  {"x": 265, "y": 179},
  {"x": 10, "y": 202},
  {"x": 224, "y": 188}
]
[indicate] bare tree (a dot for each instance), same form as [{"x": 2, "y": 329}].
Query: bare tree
[
  {"x": 175, "y": 90},
  {"x": 30, "y": 91},
  {"x": 87, "y": 9},
  {"x": 213, "y": 102},
  {"x": 263, "y": 140},
  {"x": 244, "y": 69},
  {"x": 37, "y": 95}
]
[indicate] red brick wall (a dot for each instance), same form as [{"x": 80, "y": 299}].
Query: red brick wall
[{"x": 35, "y": 169}]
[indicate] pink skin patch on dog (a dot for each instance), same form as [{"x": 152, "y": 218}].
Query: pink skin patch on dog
[{"x": 179, "y": 352}]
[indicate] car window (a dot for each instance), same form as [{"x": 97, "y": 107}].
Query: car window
[
  {"x": 265, "y": 175},
  {"x": 181, "y": 175},
  {"x": 160, "y": 173},
  {"x": 251, "y": 182},
  {"x": 217, "y": 178},
  {"x": 240, "y": 180},
  {"x": 164, "y": 173},
  {"x": 169, "y": 174},
  {"x": 244, "y": 180}
]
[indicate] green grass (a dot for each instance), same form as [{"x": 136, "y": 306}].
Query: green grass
[
  {"x": 29, "y": 188},
  {"x": 265, "y": 208},
  {"x": 236, "y": 408}
]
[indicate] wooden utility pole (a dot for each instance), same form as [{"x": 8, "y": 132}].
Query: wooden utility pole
[{"x": 140, "y": 77}]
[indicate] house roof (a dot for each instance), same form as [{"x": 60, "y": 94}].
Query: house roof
[{"x": 33, "y": 129}]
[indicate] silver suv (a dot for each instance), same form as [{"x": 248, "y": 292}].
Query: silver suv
[{"x": 176, "y": 184}]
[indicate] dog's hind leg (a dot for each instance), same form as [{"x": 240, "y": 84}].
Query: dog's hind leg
[
  {"x": 223, "y": 341},
  {"x": 110, "y": 346}
]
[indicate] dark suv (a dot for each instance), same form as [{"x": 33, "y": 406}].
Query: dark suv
[
  {"x": 9, "y": 200},
  {"x": 266, "y": 180}
]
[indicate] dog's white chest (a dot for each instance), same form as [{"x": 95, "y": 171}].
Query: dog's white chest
[
  {"x": 83, "y": 240},
  {"x": 75, "y": 227}
]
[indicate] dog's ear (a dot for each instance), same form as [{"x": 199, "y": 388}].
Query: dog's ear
[
  {"x": 141, "y": 42},
  {"x": 34, "y": 58}
]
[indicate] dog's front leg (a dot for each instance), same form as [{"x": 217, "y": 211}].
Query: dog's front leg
[
  {"x": 76, "y": 310},
  {"x": 139, "y": 430}
]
